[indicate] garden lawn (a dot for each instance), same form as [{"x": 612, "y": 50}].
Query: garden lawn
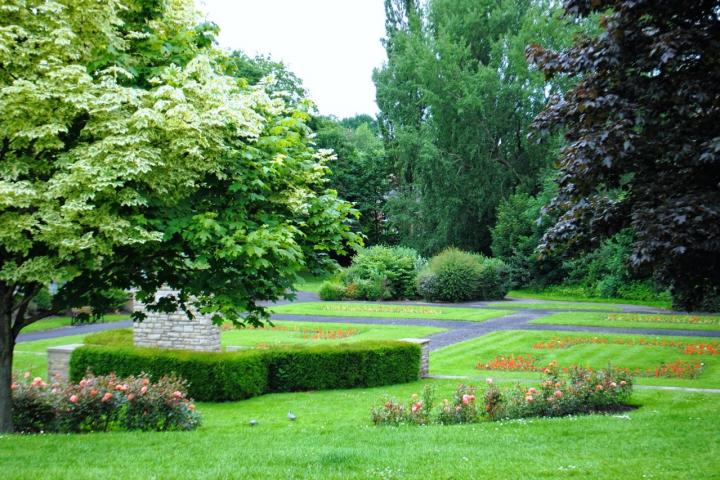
[
  {"x": 309, "y": 333},
  {"x": 673, "y": 435},
  {"x": 633, "y": 320},
  {"x": 32, "y": 356},
  {"x": 554, "y": 306},
  {"x": 462, "y": 358},
  {"x": 570, "y": 294},
  {"x": 384, "y": 310},
  {"x": 59, "y": 322}
]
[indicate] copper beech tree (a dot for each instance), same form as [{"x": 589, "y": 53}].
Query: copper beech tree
[{"x": 642, "y": 130}]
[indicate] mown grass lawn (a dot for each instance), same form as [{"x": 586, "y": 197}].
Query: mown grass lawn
[
  {"x": 554, "y": 306},
  {"x": 564, "y": 294},
  {"x": 314, "y": 333},
  {"x": 51, "y": 323},
  {"x": 462, "y": 358},
  {"x": 384, "y": 310},
  {"x": 633, "y": 320},
  {"x": 672, "y": 435}
]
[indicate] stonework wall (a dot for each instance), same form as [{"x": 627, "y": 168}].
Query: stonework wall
[
  {"x": 175, "y": 330},
  {"x": 425, "y": 352},
  {"x": 59, "y": 361}
]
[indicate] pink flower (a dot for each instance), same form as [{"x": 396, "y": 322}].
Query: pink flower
[
  {"x": 143, "y": 390},
  {"x": 623, "y": 383},
  {"x": 13, "y": 386},
  {"x": 106, "y": 397},
  {"x": 532, "y": 391},
  {"x": 558, "y": 394},
  {"x": 191, "y": 407},
  {"x": 613, "y": 384},
  {"x": 26, "y": 375},
  {"x": 37, "y": 381},
  {"x": 416, "y": 406},
  {"x": 145, "y": 381},
  {"x": 598, "y": 387},
  {"x": 121, "y": 388},
  {"x": 83, "y": 383},
  {"x": 73, "y": 398},
  {"x": 177, "y": 394},
  {"x": 131, "y": 397},
  {"x": 529, "y": 398},
  {"x": 489, "y": 381},
  {"x": 55, "y": 390}
]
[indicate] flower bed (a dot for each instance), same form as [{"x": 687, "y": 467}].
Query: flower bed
[
  {"x": 102, "y": 403},
  {"x": 528, "y": 363},
  {"x": 579, "y": 390}
]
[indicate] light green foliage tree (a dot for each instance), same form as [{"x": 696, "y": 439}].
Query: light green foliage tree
[
  {"x": 456, "y": 99},
  {"x": 128, "y": 159}
]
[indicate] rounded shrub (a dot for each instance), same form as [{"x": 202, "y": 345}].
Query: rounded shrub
[
  {"x": 331, "y": 291},
  {"x": 384, "y": 273},
  {"x": 457, "y": 276}
]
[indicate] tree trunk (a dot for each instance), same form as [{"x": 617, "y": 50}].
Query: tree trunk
[{"x": 7, "y": 345}]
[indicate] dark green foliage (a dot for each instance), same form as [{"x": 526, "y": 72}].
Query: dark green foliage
[
  {"x": 331, "y": 290},
  {"x": 456, "y": 101},
  {"x": 366, "y": 364},
  {"x": 237, "y": 375},
  {"x": 384, "y": 273},
  {"x": 643, "y": 139},
  {"x": 458, "y": 276},
  {"x": 210, "y": 376},
  {"x": 360, "y": 174}
]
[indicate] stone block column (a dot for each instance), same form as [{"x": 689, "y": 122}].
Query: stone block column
[
  {"x": 425, "y": 354},
  {"x": 175, "y": 330},
  {"x": 59, "y": 361}
]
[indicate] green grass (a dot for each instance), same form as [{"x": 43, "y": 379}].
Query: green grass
[
  {"x": 51, "y": 323},
  {"x": 307, "y": 333},
  {"x": 461, "y": 358},
  {"x": 32, "y": 356},
  {"x": 632, "y": 320},
  {"x": 311, "y": 283},
  {"x": 574, "y": 295},
  {"x": 554, "y": 306},
  {"x": 383, "y": 310},
  {"x": 672, "y": 435}
]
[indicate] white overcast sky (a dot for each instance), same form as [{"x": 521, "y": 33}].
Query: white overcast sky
[{"x": 332, "y": 45}]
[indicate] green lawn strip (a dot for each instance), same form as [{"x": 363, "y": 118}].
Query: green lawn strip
[
  {"x": 672, "y": 435},
  {"x": 554, "y": 306},
  {"x": 462, "y": 358},
  {"x": 32, "y": 356},
  {"x": 381, "y": 310},
  {"x": 568, "y": 297},
  {"x": 59, "y": 322},
  {"x": 633, "y": 320},
  {"x": 306, "y": 333}
]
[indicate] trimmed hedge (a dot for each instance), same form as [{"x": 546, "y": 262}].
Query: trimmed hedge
[
  {"x": 362, "y": 364},
  {"x": 226, "y": 376},
  {"x": 211, "y": 376}
]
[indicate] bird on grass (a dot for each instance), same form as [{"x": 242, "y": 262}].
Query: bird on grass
[
  {"x": 253, "y": 422},
  {"x": 291, "y": 416}
]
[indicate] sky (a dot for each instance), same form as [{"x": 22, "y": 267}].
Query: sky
[{"x": 332, "y": 45}]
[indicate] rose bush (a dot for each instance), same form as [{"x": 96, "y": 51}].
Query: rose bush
[{"x": 102, "y": 403}]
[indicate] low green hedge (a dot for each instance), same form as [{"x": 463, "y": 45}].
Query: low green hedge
[
  {"x": 211, "y": 376},
  {"x": 226, "y": 376}
]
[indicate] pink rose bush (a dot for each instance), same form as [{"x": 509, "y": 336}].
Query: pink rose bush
[
  {"x": 102, "y": 403},
  {"x": 575, "y": 392}
]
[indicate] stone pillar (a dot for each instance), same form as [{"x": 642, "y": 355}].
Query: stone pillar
[
  {"x": 425, "y": 354},
  {"x": 59, "y": 361},
  {"x": 175, "y": 330}
]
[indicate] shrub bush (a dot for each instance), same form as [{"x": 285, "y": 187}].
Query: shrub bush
[
  {"x": 383, "y": 273},
  {"x": 331, "y": 291},
  {"x": 579, "y": 391},
  {"x": 457, "y": 276},
  {"x": 236, "y": 375},
  {"x": 211, "y": 376},
  {"x": 101, "y": 404}
]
